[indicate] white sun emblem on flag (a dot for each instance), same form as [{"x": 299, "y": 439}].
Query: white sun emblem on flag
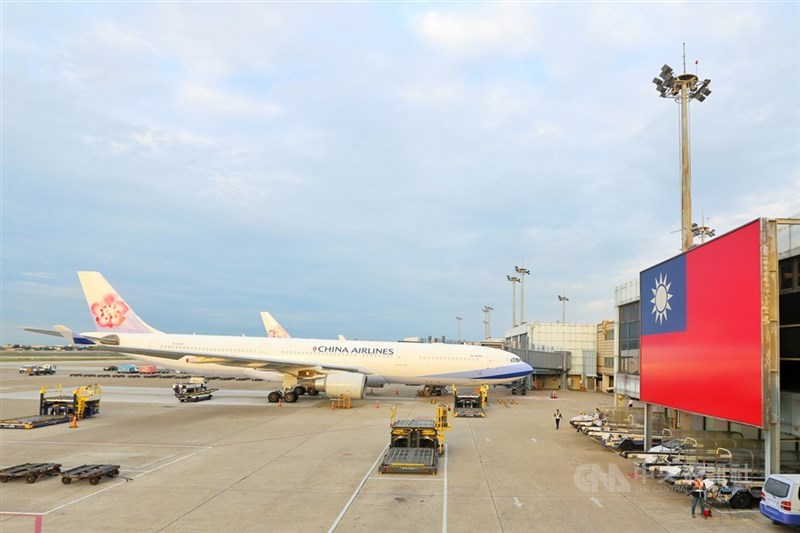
[{"x": 661, "y": 298}]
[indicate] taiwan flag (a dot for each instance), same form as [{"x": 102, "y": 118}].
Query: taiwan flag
[{"x": 701, "y": 329}]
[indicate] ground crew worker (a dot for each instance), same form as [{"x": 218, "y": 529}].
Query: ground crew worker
[
  {"x": 698, "y": 495},
  {"x": 557, "y": 417}
]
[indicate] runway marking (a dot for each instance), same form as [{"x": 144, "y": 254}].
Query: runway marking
[
  {"x": 368, "y": 477},
  {"x": 115, "y": 444},
  {"x": 596, "y": 502},
  {"x": 444, "y": 494},
  {"x": 355, "y": 493}
]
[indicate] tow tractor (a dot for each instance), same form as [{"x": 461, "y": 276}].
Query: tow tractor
[{"x": 38, "y": 370}]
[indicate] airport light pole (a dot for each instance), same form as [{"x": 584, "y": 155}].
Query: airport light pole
[
  {"x": 514, "y": 280},
  {"x": 487, "y": 321},
  {"x": 522, "y": 271},
  {"x": 563, "y": 299},
  {"x": 683, "y": 88},
  {"x": 458, "y": 320}
]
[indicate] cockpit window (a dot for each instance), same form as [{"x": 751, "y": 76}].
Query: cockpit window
[{"x": 515, "y": 359}]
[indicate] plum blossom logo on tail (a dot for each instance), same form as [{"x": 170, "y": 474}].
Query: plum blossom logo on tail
[{"x": 110, "y": 311}]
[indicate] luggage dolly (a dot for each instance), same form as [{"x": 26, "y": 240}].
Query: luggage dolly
[
  {"x": 30, "y": 471},
  {"x": 92, "y": 472}
]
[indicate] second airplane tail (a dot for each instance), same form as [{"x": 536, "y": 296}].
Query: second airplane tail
[{"x": 109, "y": 311}]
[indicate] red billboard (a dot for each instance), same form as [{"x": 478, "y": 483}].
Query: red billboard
[{"x": 701, "y": 329}]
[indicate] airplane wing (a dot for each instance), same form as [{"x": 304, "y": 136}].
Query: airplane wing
[
  {"x": 52, "y": 332},
  {"x": 294, "y": 367},
  {"x": 64, "y": 332}
]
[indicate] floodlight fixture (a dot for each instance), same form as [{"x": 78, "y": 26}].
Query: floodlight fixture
[
  {"x": 563, "y": 299},
  {"x": 682, "y": 89}
]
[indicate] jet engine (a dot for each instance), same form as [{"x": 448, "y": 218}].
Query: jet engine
[{"x": 350, "y": 383}]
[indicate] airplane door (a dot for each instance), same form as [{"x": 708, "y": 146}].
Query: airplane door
[{"x": 400, "y": 357}]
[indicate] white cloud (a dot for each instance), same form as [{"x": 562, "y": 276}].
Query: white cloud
[
  {"x": 207, "y": 100},
  {"x": 488, "y": 30}
]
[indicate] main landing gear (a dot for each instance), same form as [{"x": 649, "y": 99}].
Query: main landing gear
[{"x": 290, "y": 395}]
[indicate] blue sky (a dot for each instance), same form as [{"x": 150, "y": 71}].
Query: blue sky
[{"x": 375, "y": 169}]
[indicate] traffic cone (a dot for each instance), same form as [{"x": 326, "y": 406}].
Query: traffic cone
[
  {"x": 73, "y": 422},
  {"x": 377, "y": 404},
  {"x": 280, "y": 402},
  {"x": 333, "y": 405}
]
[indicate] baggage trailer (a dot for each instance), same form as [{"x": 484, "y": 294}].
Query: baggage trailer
[
  {"x": 30, "y": 471},
  {"x": 91, "y": 472}
]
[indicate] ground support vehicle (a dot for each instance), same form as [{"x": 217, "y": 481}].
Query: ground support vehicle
[
  {"x": 432, "y": 390},
  {"x": 33, "y": 421},
  {"x": 194, "y": 389},
  {"x": 59, "y": 408},
  {"x": 197, "y": 395},
  {"x": 30, "y": 471},
  {"x": 518, "y": 387},
  {"x": 737, "y": 494},
  {"x": 628, "y": 442},
  {"x": 91, "y": 472},
  {"x": 38, "y": 370},
  {"x": 471, "y": 404},
  {"x": 83, "y": 403},
  {"x": 415, "y": 444}
]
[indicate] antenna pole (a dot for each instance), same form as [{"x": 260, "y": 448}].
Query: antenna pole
[{"x": 684, "y": 58}]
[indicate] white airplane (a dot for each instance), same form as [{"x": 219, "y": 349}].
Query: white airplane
[{"x": 301, "y": 365}]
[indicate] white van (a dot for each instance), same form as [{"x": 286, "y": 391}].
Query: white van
[{"x": 780, "y": 499}]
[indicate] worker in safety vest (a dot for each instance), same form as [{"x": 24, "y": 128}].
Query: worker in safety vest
[{"x": 698, "y": 495}]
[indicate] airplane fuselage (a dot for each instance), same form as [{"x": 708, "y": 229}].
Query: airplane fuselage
[{"x": 381, "y": 362}]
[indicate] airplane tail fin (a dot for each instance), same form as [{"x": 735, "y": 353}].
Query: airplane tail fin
[
  {"x": 109, "y": 311},
  {"x": 273, "y": 328}
]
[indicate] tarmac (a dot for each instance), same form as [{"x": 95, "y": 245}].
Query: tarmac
[{"x": 238, "y": 463}]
